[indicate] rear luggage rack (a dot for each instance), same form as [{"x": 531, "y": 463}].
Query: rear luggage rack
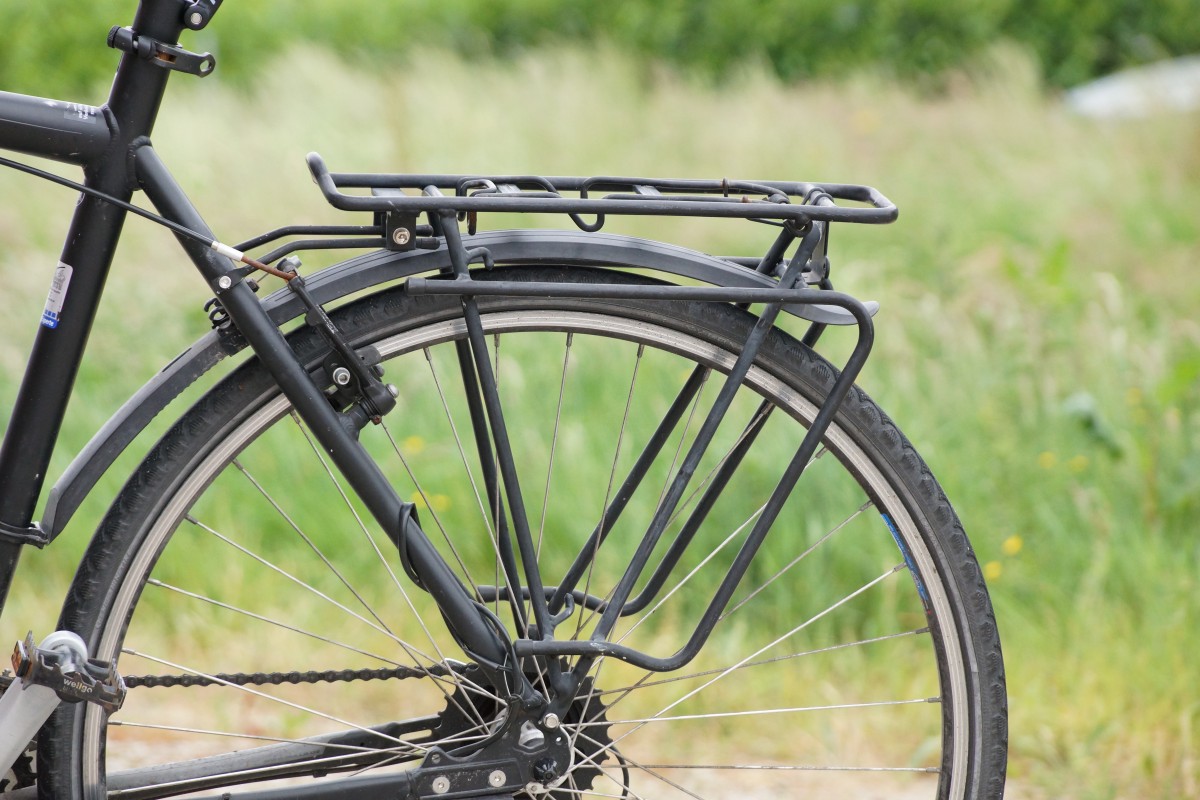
[{"x": 412, "y": 194}]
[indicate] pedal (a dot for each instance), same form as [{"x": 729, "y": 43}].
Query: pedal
[
  {"x": 73, "y": 679},
  {"x": 45, "y": 676}
]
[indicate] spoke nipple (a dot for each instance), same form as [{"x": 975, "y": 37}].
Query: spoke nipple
[{"x": 550, "y": 721}]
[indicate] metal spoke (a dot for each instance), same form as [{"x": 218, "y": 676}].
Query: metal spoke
[
  {"x": 276, "y": 568},
  {"x": 758, "y": 712},
  {"x": 800, "y": 557},
  {"x": 470, "y": 709},
  {"x": 412, "y": 652},
  {"x": 254, "y": 736},
  {"x": 428, "y": 505},
  {"x": 269, "y": 621},
  {"x": 683, "y": 437},
  {"x": 692, "y": 573},
  {"x": 612, "y": 475},
  {"x": 291, "y": 523},
  {"x": 797, "y": 768},
  {"x": 644, "y": 683},
  {"x": 729, "y": 670},
  {"x": 562, "y": 387},
  {"x": 627, "y": 762},
  {"x": 272, "y": 698},
  {"x": 461, "y": 450}
]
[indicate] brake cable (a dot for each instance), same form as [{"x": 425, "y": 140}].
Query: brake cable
[{"x": 175, "y": 227}]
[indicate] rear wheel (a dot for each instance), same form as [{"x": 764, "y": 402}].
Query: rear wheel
[{"x": 256, "y": 607}]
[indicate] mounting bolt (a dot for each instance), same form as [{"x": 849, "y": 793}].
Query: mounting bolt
[
  {"x": 341, "y": 376},
  {"x": 441, "y": 784},
  {"x": 550, "y": 721},
  {"x": 545, "y": 770},
  {"x": 196, "y": 19},
  {"x": 497, "y": 778},
  {"x": 392, "y": 390},
  {"x": 224, "y": 281},
  {"x": 401, "y": 236}
]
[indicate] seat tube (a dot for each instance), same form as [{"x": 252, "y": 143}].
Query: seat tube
[{"x": 77, "y": 285}]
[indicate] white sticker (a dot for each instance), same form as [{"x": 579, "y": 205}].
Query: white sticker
[{"x": 58, "y": 295}]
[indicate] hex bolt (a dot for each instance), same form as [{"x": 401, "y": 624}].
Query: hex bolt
[
  {"x": 402, "y": 236},
  {"x": 497, "y": 778},
  {"x": 441, "y": 784},
  {"x": 341, "y": 376},
  {"x": 550, "y": 721},
  {"x": 224, "y": 281}
]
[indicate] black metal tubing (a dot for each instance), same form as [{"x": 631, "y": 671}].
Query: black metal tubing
[
  {"x": 691, "y": 527},
  {"x": 719, "y": 204},
  {"x": 503, "y": 448},
  {"x": 624, "y": 494},
  {"x": 597, "y": 647},
  {"x": 720, "y": 407},
  {"x": 71, "y": 132},
  {"x": 359, "y": 469},
  {"x": 309, "y": 230},
  {"x": 618, "y": 291},
  {"x": 53, "y": 364}
]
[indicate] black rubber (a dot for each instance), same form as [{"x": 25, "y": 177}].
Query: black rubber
[{"x": 120, "y": 535}]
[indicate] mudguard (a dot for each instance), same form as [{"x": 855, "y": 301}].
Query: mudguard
[{"x": 375, "y": 269}]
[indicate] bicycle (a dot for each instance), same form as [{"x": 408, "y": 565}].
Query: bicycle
[{"x": 482, "y": 572}]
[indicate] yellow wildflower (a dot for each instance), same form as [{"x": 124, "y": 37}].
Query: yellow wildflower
[
  {"x": 992, "y": 570},
  {"x": 412, "y": 445},
  {"x": 1012, "y": 545},
  {"x": 434, "y": 501},
  {"x": 1047, "y": 460},
  {"x": 1077, "y": 464}
]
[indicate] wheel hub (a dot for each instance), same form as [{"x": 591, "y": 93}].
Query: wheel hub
[{"x": 558, "y": 756}]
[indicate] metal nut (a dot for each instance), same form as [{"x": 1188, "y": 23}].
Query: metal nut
[
  {"x": 497, "y": 778},
  {"x": 441, "y": 784},
  {"x": 341, "y": 376},
  {"x": 550, "y": 721},
  {"x": 402, "y": 236}
]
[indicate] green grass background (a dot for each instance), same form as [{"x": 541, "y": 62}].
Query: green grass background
[{"x": 1038, "y": 337}]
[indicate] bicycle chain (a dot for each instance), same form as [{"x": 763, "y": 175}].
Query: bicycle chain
[{"x": 279, "y": 678}]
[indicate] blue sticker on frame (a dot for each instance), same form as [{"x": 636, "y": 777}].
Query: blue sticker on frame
[{"x": 52, "y": 315}]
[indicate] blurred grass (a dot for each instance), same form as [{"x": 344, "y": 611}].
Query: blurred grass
[{"x": 1038, "y": 338}]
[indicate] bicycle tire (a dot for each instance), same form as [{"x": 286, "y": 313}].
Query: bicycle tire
[{"x": 940, "y": 676}]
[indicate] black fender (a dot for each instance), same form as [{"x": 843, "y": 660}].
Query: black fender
[{"x": 375, "y": 269}]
